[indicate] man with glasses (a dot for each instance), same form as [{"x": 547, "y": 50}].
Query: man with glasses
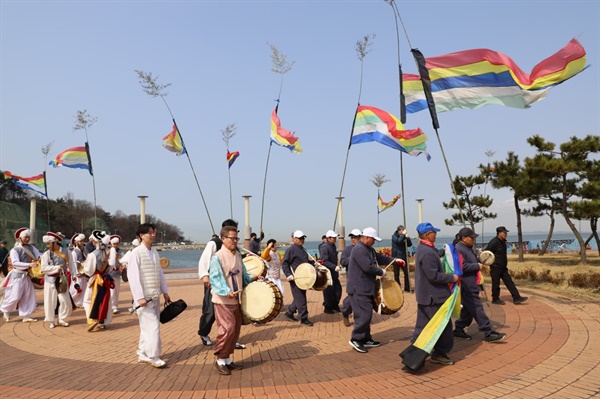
[
  {"x": 228, "y": 277},
  {"x": 293, "y": 257},
  {"x": 472, "y": 308},
  {"x": 207, "y": 319}
]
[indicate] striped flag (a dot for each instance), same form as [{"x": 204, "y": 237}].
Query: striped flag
[
  {"x": 173, "y": 142},
  {"x": 38, "y": 181},
  {"x": 283, "y": 137},
  {"x": 76, "y": 157},
  {"x": 382, "y": 206},
  {"x": 231, "y": 157}
]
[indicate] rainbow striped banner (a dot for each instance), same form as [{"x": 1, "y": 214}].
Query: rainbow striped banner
[
  {"x": 76, "y": 158},
  {"x": 38, "y": 181},
  {"x": 382, "y": 206},
  {"x": 475, "y": 78},
  {"x": 283, "y": 137},
  {"x": 231, "y": 157},
  {"x": 374, "y": 124},
  {"x": 173, "y": 142}
]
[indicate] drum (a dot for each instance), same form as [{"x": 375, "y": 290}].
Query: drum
[
  {"x": 487, "y": 258},
  {"x": 164, "y": 263},
  {"x": 255, "y": 265},
  {"x": 261, "y": 301},
  {"x": 36, "y": 275},
  {"x": 388, "y": 296},
  {"x": 324, "y": 279}
]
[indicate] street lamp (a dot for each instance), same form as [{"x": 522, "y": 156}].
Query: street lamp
[{"x": 163, "y": 236}]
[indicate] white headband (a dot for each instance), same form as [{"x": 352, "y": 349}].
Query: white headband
[
  {"x": 25, "y": 233},
  {"x": 48, "y": 239}
]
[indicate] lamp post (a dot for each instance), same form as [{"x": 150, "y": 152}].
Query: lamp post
[
  {"x": 247, "y": 228},
  {"x": 340, "y": 227},
  {"x": 162, "y": 233}
]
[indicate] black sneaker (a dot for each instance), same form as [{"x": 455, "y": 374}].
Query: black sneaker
[
  {"x": 358, "y": 346},
  {"x": 371, "y": 344},
  {"x": 520, "y": 300},
  {"x": 495, "y": 336},
  {"x": 290, "y": 317},
  {"x": 307, "y": 322},
  {"x": 328, "y": 311},
  {"x": 498, "y": 302},
  {"x": 441, "y": 358},
  {"x": 462, "y": 334}
]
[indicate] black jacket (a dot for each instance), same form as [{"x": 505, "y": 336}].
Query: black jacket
[{"x": 498, "y": 248}]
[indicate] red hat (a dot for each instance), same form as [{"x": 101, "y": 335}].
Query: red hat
[
  {"x": 21, "y": 230},
  {"x": 113, "y": 237},
  {"x": 77, "y": 237},
  {"x": 56, "y": 237}
]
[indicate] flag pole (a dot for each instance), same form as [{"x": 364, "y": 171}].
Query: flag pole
[
  {"x": 47, "y": 200},
  {"x": 262, "y": 206},
  {"x": 91, "y": 170}
]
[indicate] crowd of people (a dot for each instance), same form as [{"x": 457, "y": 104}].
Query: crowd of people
[{"x": 89, "y": 276}]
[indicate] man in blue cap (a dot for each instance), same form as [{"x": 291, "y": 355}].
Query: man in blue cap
[{"x": 431, "y": 291}]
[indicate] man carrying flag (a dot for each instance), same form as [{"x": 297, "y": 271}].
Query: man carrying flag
[{"x": 432, "y": 288}]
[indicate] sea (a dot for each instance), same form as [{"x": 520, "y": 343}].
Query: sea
[{"x": 188, "y": 259}]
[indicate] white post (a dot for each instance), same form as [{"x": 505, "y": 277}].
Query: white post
[
  {"x": 340, "y": 228},
  {"x": 247, "y": 228},
  {"x": 142, "y": 208},
  {"x": 32, "y": 213},
  {"x": 420, "y": 202}
]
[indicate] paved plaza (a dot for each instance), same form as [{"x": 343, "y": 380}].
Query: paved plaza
[{"x": 552, "y": 351}]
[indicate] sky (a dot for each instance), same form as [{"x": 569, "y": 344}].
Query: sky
[{"x": 58, "y": 57}]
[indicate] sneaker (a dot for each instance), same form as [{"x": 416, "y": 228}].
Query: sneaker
[
  {"x": 358, "y": 346},
  {"x": 441, "y": 358},
  {"x": 6, "y": 317},
  {"x": 222, "y": 369},
  {"x": 495, "y": 336},
  {"x": 346, "y": 321},
  {"x": 290, "y": 317},
  {"x": 307, "y": 322},
  {"x": 29, "y": 320},
  {"x": 239, "y": 346},
  {"x": 233, "y": 366},
  {"x": 63, "y": 323},
  {"x": 115, "y": 311},
  {"x": 158, "y": 363},
  {"x": 206, "y": 341},
  {"x": 51, "y": 325},
  {"x": 498, "y": 301},
  {"x": 101, "y": 326},
  {"x": 144, "y": 359},
  {"x": 462, "y": 334},
  {"x": 520, "y": 300},
  {"x": 371, "y": 344}
]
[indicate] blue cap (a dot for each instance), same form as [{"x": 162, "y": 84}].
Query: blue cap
[{"x": 423, "y": 228}]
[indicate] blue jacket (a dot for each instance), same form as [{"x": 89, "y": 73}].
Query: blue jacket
[
  {"x": 294, "y": 256},
  {"x": 363, "y": 269},
  {"x": 431, "y": 281}
]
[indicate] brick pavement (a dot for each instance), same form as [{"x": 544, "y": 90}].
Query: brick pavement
[{"x": 552, "y": 351}]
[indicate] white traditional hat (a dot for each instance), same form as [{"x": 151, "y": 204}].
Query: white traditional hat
[
  {"x": 115, "y": 239},
  {"x": 77, "y": 237},
  {"x": 51, "y": 237},
  {"x": 22, "y": 232}
]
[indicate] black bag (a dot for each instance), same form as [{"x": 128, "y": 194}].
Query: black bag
[
  {"x": 172, "y": 310},
  {"x": 124, "y": 275}
]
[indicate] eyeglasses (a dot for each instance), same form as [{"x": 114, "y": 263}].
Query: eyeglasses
[{"x": 233, "y": 238}]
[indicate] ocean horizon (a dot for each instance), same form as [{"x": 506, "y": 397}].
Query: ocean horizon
[{"x": 188, "y": 259}]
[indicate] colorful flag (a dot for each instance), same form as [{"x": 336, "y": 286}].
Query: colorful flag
[
  {"x": 173, "y": 142},
  {"x": 382, "y": 206},
  {"x": 474, "y": 78},
  {"x": 231, "y": 157},
  {"x": 283, "y": 137},
  {"x": 374, "y": 124},
  {"x": 426, "y": 83},
  {"x": 25, "y": 182},
  {"x": 414, "y": 356},
  {"x": 76, "y": 157}
]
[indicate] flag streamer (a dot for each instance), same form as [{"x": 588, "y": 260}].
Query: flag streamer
[
  {"x": 283, "y": 137},
  {"x": 475, "y": 78},
  {"x": 173, "y": 142},
  {"x": 374, "y": 124},
  {"x": 382, "y": 206},
  {"x": 231, "y": 157},
  {"x": 76, "y": 157},
  {"x": 39, "y": 181}
]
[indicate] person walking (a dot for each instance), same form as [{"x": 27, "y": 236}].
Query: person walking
[{"x": 400, "y": 242}]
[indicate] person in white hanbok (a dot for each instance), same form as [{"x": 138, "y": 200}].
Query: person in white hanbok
[
  {"x": 147, "y": 282},
  {"x": 55, "y": 265},
  {"x": 19, "y": 291},
  {"x": 114, "y": 257},
  {"x": 80, "y": 280},
  {"x": 96, "y": 301}
]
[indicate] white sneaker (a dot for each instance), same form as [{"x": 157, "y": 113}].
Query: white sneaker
[
  {"x": 158, "y": 363},
  {"x": 101, "y": 326},
  {"x": 29, "y": 320},
  {"x": 6, "y": 317},
  {"x": 63, "y": 323},
  {"x": 144, "y": 359},
  {"x": 51, "y": 325},
  {"x": 115, "y": 311}
]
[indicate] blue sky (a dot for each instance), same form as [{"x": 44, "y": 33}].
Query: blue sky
[{"x": 57, "y": 57}]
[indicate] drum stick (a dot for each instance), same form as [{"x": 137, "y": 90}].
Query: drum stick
[{"x": 132, "y": 310}]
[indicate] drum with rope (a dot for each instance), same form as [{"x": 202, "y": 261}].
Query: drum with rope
[
  {"x": 261, "y": 301},
  {"x": 255, "y": 265},
  {"x": 388, "y": 296},
  {"x": 164, "y": 262},
  {"x": 487, "y": 258}
]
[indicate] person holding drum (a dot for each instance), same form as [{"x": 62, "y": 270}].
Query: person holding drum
[
  {"x": 346, "y": 308},
  {"x": 294, "y": 256},
  {"x": 328, "y": 254},
  {"x": 362, "y": 271},
  {"x": 272, "y": 257},
  {"x": 499, "y": 269},
  {"x": 19, "y": 288},
  {"x": 228, "y": 277},
  {"x": 472, "y": 308},
  {"x": 54, "y": 264}
]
